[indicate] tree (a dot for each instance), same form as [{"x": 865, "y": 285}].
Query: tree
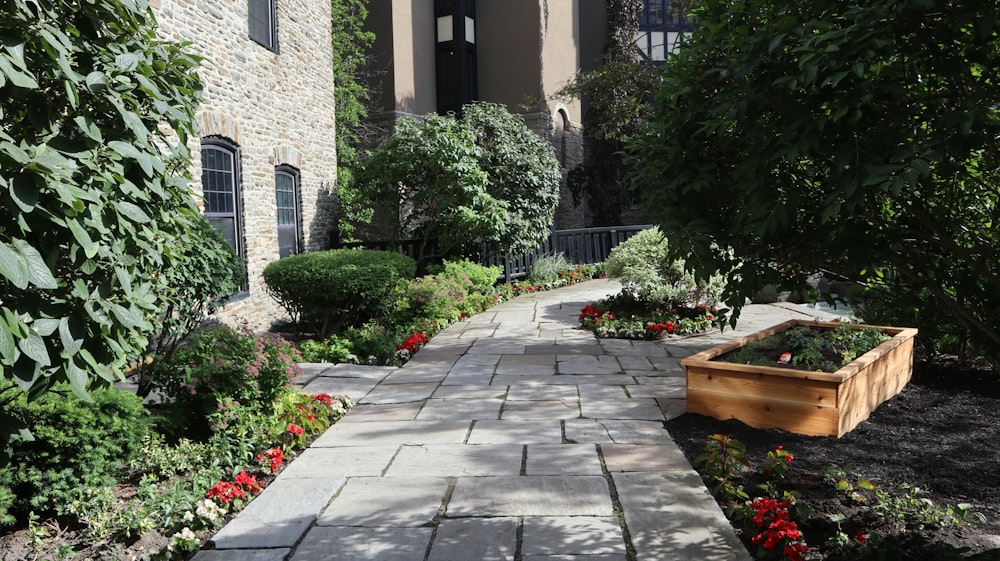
[
  {"x": 96, "y": 115},
  {"x": 352, "y": 94},
  {"x": 448, "y": 181},
  {"x": 861, "y": 138},
  {"x": 617, "y": 96}
]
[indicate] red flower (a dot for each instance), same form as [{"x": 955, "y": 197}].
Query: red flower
[
  {"x": 860, "y": 536},
  {"x": 224, "y": 492},
  {"x": 275, "y": 455},
  {"x": 323, "y": 398},
  {"x": 295, "y": 430},
  {"x": 248, "y": 483}
]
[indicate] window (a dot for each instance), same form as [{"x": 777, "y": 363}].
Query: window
[
  {"x": 263, "y": 26},
  {"x": 220, "y": 181},
  {"x": 662, "y": 24},
  {"x": 286, "y": 188},
  {"x": 455, "y": 54}
]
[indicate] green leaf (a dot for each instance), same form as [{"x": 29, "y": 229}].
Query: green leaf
[
  {"x": 70, "y": 345},
  {"x": 13, "y": 266},
  {"x": 125, "y": 149},
  {"x": 34, "y": 348},
  {"x": 132, "y": 212},
  {"x": 90, "y": 247},
  {"x": 97, "y": 81},
  {"x": 89, "y": 128},
  {"x": 24, "y": 191},
  {"x": 77, "y": 381},
  {"x": 38, "y": 271},
  {"x": 8, "y": 351},
  {"x": 128, "y": 316},
  {"x": 127, "y": 62},
  {"x": 17, "y": 77},
  {"x": 45, "y": 326}
]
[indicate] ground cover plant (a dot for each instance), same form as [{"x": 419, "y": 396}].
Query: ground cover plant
[
  {"x": 421, "y": 307},
  {"x": 658, "y": 296},
  {"x": 917, "y": 481},
  {"x": 808, "y": 348},
  {"x": 117, "y": 479}
]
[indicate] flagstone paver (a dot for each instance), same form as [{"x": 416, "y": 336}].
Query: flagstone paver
[
  {"x": 511, "y": 435},
  {"x": 531, "y": 495}
]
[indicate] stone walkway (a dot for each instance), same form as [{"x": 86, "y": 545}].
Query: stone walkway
[{"x": 512, "y": 436}]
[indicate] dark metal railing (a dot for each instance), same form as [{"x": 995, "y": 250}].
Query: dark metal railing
[{"x": 582, "y": 246}]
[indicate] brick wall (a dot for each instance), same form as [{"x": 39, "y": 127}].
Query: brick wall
[{"x": 278, "y": 108}]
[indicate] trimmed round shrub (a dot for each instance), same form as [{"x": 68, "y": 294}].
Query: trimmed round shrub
[
  {"x": 642, "y": 266},
  {"x": 78, "y": 445},
  {"x": 328, "y": 290}
]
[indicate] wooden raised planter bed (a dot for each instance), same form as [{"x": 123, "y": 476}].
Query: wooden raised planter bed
[{"x": 800, "y": 401}]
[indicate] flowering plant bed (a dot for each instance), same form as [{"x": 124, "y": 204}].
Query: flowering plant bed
[
  {"x": 624, "y": 318},
  {"x": 801, "y": 401}
]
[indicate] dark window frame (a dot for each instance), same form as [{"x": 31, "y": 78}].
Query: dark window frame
[
  {"x": 232, "y": 150},
  {"x": 296, "y": 179},
  {"x": 255, "y": 8},
  {"x": 673, "y": 21}
]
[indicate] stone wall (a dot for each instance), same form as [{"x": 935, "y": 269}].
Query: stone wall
[
  {"x": 566, "y": 137},
  {"x": 278, "y": 108}
]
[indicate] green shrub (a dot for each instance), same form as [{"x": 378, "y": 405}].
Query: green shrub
[
  {"x": 226, "y": 363},
  {"x": 900, "y": 305},
  {"x": 97, "y": 113},
  {"x": 483, "y": 278},
  {"x": 547, "y": 268},
  {"x": 432, "y": 297},
  {"x": 78, "y": 445},
  {"x": 342, "y": 287},
  {"x": 373, "y": 343},
  {"x": 204, "y": 271},
  {"x": 642, "y": 266},
  {"x": 241, "y": 430},
  {"x": 334, "y": 349}
]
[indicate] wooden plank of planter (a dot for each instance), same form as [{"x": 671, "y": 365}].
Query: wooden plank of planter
[
  {"x": 813, "y": 403},
  {"x": 764, "y": 413}
]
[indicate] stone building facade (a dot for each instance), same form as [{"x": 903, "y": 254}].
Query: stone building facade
[{"x": 265, "y": 162}]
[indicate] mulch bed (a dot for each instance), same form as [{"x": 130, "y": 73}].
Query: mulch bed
[{"x": 941, "y": 433}]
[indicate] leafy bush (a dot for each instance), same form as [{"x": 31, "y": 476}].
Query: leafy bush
[
  {"x": 646, "y": 272},
  {"x": 786, "y": 139},
  {"x": 204, "y": 271},
  {"x": 895, "y": 303},
  {"x": 437, "y": 297},
  {"x": 548, "y": 268},
  {"x": 335, "y": 349},
  {"x": 449, "y": 180},
  {"x": 226, "y": 363},
  {"x": 337, "y": 288},
  {"x": 483, "y": 278},
  {"x": 93, "y": 192},
  {"x": 78, "y": 445}
]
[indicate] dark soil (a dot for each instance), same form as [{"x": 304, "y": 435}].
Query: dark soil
[{"x": 941, "y": 434}]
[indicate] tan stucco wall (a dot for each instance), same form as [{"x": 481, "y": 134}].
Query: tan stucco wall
[
  {"x": 278, "y": 108},
  {"x": 404, "y": 50},
  {"x": 508, "y": 44}
]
